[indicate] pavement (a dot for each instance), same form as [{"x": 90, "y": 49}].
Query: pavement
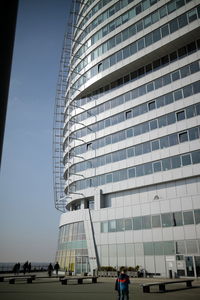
[{"x": 52, "y": 289}]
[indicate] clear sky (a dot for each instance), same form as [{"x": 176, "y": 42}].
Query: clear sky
[{"x": 28, "y": 220}]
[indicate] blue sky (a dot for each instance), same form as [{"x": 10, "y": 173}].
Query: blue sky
[{"x": 28, "y": 220}]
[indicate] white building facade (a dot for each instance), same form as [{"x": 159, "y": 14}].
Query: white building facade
[{"x": 131, "y": 146}]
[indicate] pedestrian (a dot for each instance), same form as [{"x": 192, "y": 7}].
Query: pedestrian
[
  {"x": 15, "y": 269},
  {"x": 50, "y": 269},
  {"x": 56, "y": 268},
  {"x": 122, "y": 286},
  {"x": 25, "y": 267},
  {"x": 29, "y": 267}
]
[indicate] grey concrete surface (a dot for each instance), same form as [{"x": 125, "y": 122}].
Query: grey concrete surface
[{"x": 52, "y": 289}]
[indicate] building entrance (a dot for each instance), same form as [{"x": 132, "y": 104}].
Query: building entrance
[{"x": 189, "y": 266}]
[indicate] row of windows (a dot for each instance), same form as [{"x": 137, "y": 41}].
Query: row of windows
[
  {"x": 165, "y": 164},
  {"x": 171, "y": 219},
  {"x": 101, "y": 18},
  {"x": 146, "y": 107},
  {"x": 164, "y": 142},
  {"x": 149, "y": 248},
  {"x": 138, "y": 92},
  {"x": 128, "y": 32},
  {"x": 165, "y": 120},
  {"x": 143, "y": 71},
  {"x": 135, "y": 47},
  {"x": 107, "y": 29}
]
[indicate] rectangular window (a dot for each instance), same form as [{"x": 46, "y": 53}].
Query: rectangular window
[
  {"x": 193, "y": 133},
  {"x": 164, "y": 142},
  {"x": 197, "y": 216},
  {"x": 120, "y": 225},
  {"x": 148, "y": 168},
  {"x": 146, "y": 222},
  {"x": 158, "y": 248},
  {"x": 178, "y": 95},
  {"x": 186, "y": 160},
  {"x": 169, "y": 248},
  {"x": 176, "y": 161},
  {"x": 138, "y": 149},
  {"x": 112, "y": 226},
  {"x": 180, "y": 115},
  {"x": 196, "y": 157},
  {"x": 155, "y": 145},
  {"x": 173, "y": 139},
  {"x": 152, "y": 105},
  {"x": 183, "y": 137},
  {"x": 167, "y": 220},
  {"x": 128, "y": 224},
  {"x": 148, "y": 248},
  {"x": 177, "y": 218},
  {"x": 104, "y": 227},
  {"x": 156, "y": 221},
  {"x": 131, "y": 172},
  {"x": 166, "y": 164},
  {"x": 157, "y": 166},
  {"x": 130, "y": 152},
  {"x": 137, "y": 223},
  {"x": 153, "y": 124},
  {"x": 128, "y": 114},
  {"x": 188, "y": 217}
]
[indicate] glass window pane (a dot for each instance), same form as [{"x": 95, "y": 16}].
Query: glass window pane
[
  {"x": 180, "y": 247},
  {"x": 196, "y": 157},
  {"x": 176, "y": 162},
  {"x": 128, "y": 224},
  {"x": 146, "y": 222},
  {"x": 104, "y": 226},
  {"x": 197, "y": 216},
  {"x": 183, "y": 137},
  {"x": 137, "y": 223},
  {"x": 193, "y": 133},
  {"x": 188, "y": 217},
  {"x": 157, "y": 166},
  {"x": 173, "y": 139},
  {"x": 180, "y": 115},
  {"x": 186, "y": 160},
  {"x": 131, "y": 172},
  {"x": 191, "y": 246},
  {"x": 156, "y": 221},
  {"x": 167, "y": 220},
  {"x": 112, "y": 226},
  {"x": 158, "y": 248},
  {"x": 166, "y": 164},
  {"x": 177, "y": 218},
  {"x": 169, "y": 248},
  {"x": 155, "y": 145},
  {"x": 120, "y": 225},
  {"x": 148, "y": 248}
]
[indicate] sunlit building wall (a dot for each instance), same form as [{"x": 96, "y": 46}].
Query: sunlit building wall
[{"x": 131, "y": 138}]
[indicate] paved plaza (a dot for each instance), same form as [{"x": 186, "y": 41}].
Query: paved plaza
[{"x": 52, "y": 289}]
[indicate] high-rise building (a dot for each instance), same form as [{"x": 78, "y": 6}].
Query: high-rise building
[{"x": 129, "y": 139}]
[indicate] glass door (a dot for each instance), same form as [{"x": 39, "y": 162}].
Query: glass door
[{"x": 189, "y": 266}]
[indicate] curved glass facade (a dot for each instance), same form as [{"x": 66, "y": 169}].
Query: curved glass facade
[{"x": 131, "y": 138}]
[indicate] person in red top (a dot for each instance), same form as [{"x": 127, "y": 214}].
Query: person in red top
[{"x": 122, "y": 286}]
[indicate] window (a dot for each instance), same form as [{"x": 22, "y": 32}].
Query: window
[
  {"x": 157, "y": 166},
  {"x": 175, "y": 76},
  {"x": 108, "y": 178},
  {"x": 193, "y": 133},
  {"x": 164, "y": 142},
  {"x": 167, "y": 220},
  {"x": 173, "y": 139},
  {"x": 128, "y": 224},
  {"x": 153, "y": 124},
  {"x": 152, "y": 105},
  {"x": 104, "y": 227},
  {"x": 148, "y": 248},
  {"x": 180, "y": 115},
  {"x": 197, "y": 216},
  {"x": 155, "y": 145},
  {"x": 146, "y": 222},
  {"x": 100, "y": 67},
  {"x": 188, "y": 217},
  {"x": 196, "y": 157},
  {"x": 128, "y": 114},
  {"x": 130, "y": 152},
  {"x": 137, "y": 223},
  {"x": 155, "y": 221},
  {"x": 131, "y": 172},
  {"x": 166, "y": 164},
  {"x": 183, "y": 137},
  {"x": 112, "y": 226},
  {"x": 186, "y": 159},
  {"x": 176, "y": 161},
  {"x": 178, "y": 95},
  {"x": 120, "y": 225}
]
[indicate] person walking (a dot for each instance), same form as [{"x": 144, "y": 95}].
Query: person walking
[
  {"x": 56, "y": 268},
  {"x": 50, "y": 269},
  {"x": 122, "y": 286}
]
